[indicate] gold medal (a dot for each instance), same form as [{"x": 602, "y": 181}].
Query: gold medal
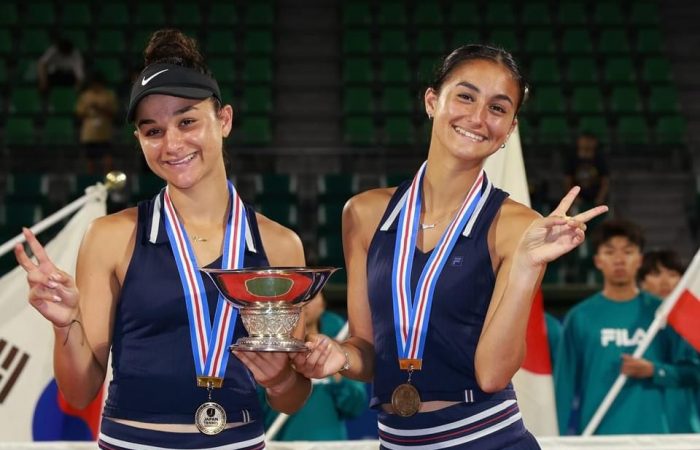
[
  {"x": 210, "y": 418},
  {"x": 405, "y": 400}
]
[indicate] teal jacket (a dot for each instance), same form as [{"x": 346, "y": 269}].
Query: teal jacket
[
  {"x": 595, "y": 334},
  {"x": 323, "y": 416}
]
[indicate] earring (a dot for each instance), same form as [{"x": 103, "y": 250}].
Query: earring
[
  {"x": 503, "y": 145},
  {"x": 430, "y": 116}
]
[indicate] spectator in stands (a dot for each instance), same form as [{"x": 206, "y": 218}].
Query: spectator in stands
[
  {"x": 132, "y": 292},
  {"x": 478, "y": 258},
  {"x": 60, "y": 65},
  {"x": 587, "y": 167},
  {"x": 97, "y": 105},
  {"x": 333, "y": 399},
  {"x": 660, "y": 273},
  {"x": 599, "y": 335}
]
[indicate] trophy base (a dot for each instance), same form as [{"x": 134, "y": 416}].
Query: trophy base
[{"x": 269, "y": 344}]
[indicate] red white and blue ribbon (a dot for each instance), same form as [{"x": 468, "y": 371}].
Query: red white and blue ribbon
[
  {"x": 412, "y": 311},
  {"x": 209, "y": 341}
]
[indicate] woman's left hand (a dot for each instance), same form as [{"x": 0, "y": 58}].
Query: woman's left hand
[
  {"x": 550, "y": 237},
  {"x": 270, "y": 369}
]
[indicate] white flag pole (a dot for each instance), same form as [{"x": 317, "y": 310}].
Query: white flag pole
[
  {"x": 114, "y": 180},
  {"x": 282, "y": 418},
  {"x": 659, "y": 321}
]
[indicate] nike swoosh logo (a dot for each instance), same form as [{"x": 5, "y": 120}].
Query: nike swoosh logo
[{"x": 147, "y": 79}]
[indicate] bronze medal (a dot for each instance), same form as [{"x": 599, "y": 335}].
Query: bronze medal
[
  {"x": 210, "y": 418},
  {"x": 405, "y": 400}
]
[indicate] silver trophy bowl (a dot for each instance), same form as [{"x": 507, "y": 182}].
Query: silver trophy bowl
[{"x": 269, "y": 300}]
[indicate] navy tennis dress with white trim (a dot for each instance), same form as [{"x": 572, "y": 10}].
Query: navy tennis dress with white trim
[
  {"x": 462, "y": 296},
  {"x": 154, "y": 377}
]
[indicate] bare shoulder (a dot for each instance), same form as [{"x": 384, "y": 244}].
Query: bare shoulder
[
  {"x": 113, "y": 230},
  {"x": 283, "y": 246},
  {"x": 362, "y": 213}
]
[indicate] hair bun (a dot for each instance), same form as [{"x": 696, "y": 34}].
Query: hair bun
[{"x": 173, "y": 47}]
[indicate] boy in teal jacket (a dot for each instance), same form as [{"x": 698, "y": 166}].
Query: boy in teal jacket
[{"x": 600, "y": 334}]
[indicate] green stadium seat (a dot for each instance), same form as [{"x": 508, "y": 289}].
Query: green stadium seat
[
  {"x": 644, "y": 13},
  {"x": 505, "y": 38},
  {"x": 540, "y": 41},
  {"x": 22, "y": 214},
  {"x": 281, "y": 211},
  {"x": 110, "y": 41},
  {"x": 587, "y": 100},
  {"x": 525, "y": 129},
  {"x": 276, "y": 186},
  {"x": 427, "y": 14},
  {"x": 112, "y": 69},
  {"x": 59, "y": 130},
  {"x": 576, "y": 41},
  {"x": 426, "y": 69},
  {"x": 649, "y": 41},
  {"x": 633, "y": 130},
  {"x": 40, "y": 14},
  {"x": 6, "y": 42},
  {"x": 113, "y": 14},
  {"x": 393, "y": 42},
  {"x": 149, "y": 14},
  {"x": 257, "y": 100},
  {"x": 572, "y": 14},
  {"x": 399, "y": 131},
  {"x": 358, "y": 101},
  {"x": 547, "y": 100},
  {"x": 256, "y": 131},
  {"x": 430, "y": 42},
  {"x": 544, "y": 70},
  {"x": 554, "y": 130},
  {"x": 359, "y": 131},
  {"x": 397, "y": 101},
  {"x": 613, "y": 41},
  {"x": 25, "y": 100},
  {"x": 260, "y": 14},
  {"x": 223, "y": 69},
  {"x": 663, "y": 100},
  {"x": 337, "y": 186},
  {"x": 536, "y": 13},
  {"x": 76, "y": 14},
  {"x": 597, "y": 125},
  {"x": 78, "y": 36},
  {"x": 220, "y": 42},
  {"x": 356, "y": 13},
  {"x": 357, "y": 42},
  {"x": 186, "y": 14},
  {"x": 656, "y": 70},
  {"x": 392, "y": 14},
  {"x": 464, "y": 13},
  {"x": 625, "y": 100},
  {"x": 581, "y": 70},
  {"x": 62, "y": 100},
  {"x": 258, "y": 42},
  {"x": 139, "y": 38},
  {"x": 222, "y": 14},
  {"x": 145, "y": 186},
  {"x": 3, "y": 77},
  {"x": 465, "y": 36},
  {"x": 671, "y": 130},
  {"x": 619, "y": 70},
  {"x": 8, "y": 14},
  {"x": 357, "y": 71},
  {"x": 330, "y": 213},
  {"x": 330, "y": 253},
  {"x": 34, "y": 41},
  {"x": 258, "y": 70},
  {"x": 608, "y": 13},
  {"x": 499, "y": 14},
  {"x": 394, "y": 71},
  {"x": 19, "y": 131},
  {"x": 27, "y": 186}
]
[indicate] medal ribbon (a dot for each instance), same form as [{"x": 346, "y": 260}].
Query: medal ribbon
[
  {"x": 411, "y": 312},
  {"x": 209, "y": 340}
]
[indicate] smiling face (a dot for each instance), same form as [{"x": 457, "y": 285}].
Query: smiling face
[
  {"x": 181, "y": 138},
  {"x": 474, "y": 110}
]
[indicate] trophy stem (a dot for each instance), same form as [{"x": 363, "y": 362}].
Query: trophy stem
[{"x": 270, "y": 328}]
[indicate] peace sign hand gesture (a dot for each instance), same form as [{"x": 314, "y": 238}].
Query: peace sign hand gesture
[
  {"x": 550, "y": 237},
  {"x": 51, "y": 291}
]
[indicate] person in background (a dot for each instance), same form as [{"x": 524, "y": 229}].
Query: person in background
[
  {"x": 553, "y": 334},
  {"x": 96, "y": 109},
  {"x": 60, "y": 65},
  {"x": 333, "y": 399},
  {"x": 659, "y": 274},
  {"x": 600, "y": 334},
  {"x": 587, "y": 167},
  {"x": 139, "y": 296}
]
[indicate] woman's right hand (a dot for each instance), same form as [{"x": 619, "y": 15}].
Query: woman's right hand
[
  {"x": 51, "y": 291},
  {"x": 325, "y": 357}
]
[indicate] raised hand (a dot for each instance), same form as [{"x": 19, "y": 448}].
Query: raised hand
[
  {"x": 551, "y": 237},
  {"x": 325, "y": 357},
  {"x": 51, "y": 291}
]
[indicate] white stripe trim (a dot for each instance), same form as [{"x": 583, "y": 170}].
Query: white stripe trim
[
  {"x": 461, "y": 440},
  {"x": 135, "y": 446},
  {"x": 470, "y": 224},
  {"x": 397, "y": 209},
  {"x": 449, "y": 426}
]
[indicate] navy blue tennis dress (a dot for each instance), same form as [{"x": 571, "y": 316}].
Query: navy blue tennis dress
[
  {"x": 154, "y": 377},
  {"x": 462, "y": 296}
]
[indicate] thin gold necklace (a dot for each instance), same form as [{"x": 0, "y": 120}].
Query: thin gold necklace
[
  {"x": 428, "y": 226},
  {"x": 196, "y": 238}
]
